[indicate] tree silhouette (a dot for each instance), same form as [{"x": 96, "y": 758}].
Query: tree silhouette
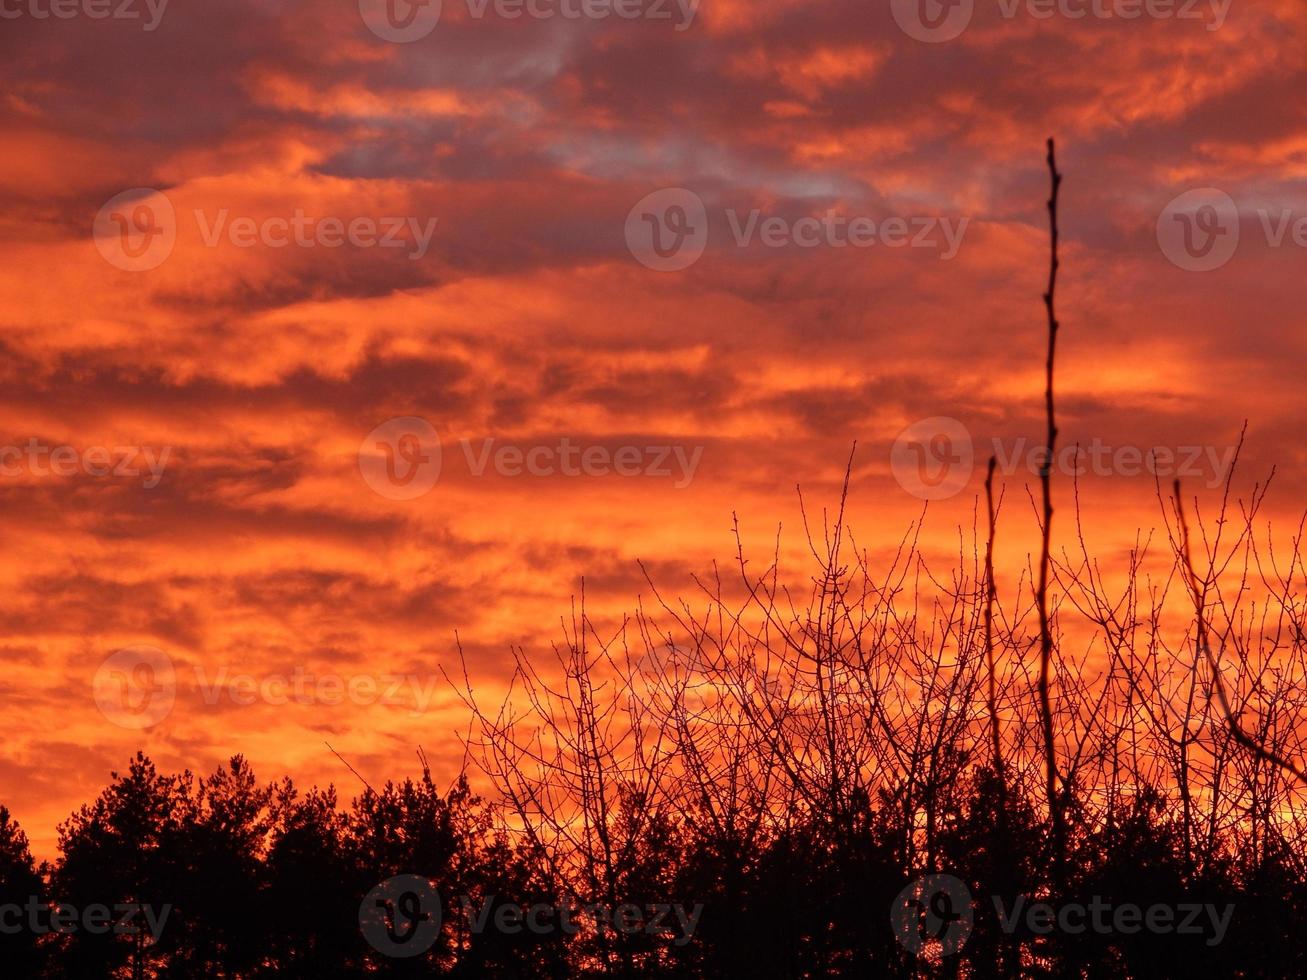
[
  {"x": 22, "y": 889},
  {"x": 121, "y": 851}
]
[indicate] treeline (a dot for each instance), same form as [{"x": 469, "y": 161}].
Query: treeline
[
  {"x": 224, "y": 877},
  {"x": 748, "y": 785}
]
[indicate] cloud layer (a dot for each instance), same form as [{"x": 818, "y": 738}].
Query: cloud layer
[{"x": 500, "y": 157}]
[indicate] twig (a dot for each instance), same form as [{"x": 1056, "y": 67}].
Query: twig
[
  {"x": 991, "y": 593},
  {"x": 350, "y": 768},
  {"x": 1205, "y": 649}
]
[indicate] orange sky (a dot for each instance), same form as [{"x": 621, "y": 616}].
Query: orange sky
[{"x": 515, "y": 302}]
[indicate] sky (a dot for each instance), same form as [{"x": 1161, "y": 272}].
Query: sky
[{"x": 334, "y": 330}]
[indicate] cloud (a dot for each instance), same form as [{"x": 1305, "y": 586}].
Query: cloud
[{"x": 528, "y": 321}]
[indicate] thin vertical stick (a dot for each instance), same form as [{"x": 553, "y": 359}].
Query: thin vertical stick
[
  {"x": 1000, "y": 777},
  {"x": 1045, "y": 473},
  {"x": 991, "y": 593}
]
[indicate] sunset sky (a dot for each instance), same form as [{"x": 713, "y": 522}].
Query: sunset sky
[{"x": 238, "y": 239}]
